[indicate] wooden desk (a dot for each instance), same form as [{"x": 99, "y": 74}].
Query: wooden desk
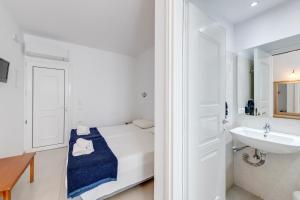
[{"x": 11, "y": 169}]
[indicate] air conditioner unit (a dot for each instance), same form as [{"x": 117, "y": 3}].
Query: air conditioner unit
[{"x": 46, "y": 51}]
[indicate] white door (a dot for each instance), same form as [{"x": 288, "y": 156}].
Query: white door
[
  {"x": 262, "y": 82},
  {"x": 48, "y": 106},
  {"x": 205, "y": 109}
]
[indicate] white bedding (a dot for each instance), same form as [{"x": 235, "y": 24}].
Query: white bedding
[{"x": 134, "y": 148}]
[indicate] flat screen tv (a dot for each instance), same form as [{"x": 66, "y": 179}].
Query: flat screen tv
[{"x": 4, "y": 66}]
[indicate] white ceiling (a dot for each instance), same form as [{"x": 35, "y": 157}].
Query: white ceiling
[
  {"x": 123, "y": 26},
  {"x": 236, "y": 11}
]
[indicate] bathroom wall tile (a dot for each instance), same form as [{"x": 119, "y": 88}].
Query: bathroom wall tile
[{"x": 229, "y": 165}]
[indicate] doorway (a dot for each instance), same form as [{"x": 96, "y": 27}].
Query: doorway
[{"x": 197, "y": 104}]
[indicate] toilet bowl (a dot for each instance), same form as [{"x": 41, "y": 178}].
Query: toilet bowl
[{"x": 296, "y": 195}]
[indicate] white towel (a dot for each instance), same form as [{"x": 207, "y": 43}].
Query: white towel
[
  {"x": 82, "y": 147},
  {"x": 83, "y": 142},
  {"x": 83, "y": 130}
]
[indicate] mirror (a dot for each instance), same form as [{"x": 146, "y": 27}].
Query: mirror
[
  {"x": 287, "y": 99},
  {"x": 245, "y": 79},
  {"x": 254, "y": 75},
  {"x": 267, "y": 78}
]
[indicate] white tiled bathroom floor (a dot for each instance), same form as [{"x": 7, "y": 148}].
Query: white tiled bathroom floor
[{"x": 237, "y": 193}]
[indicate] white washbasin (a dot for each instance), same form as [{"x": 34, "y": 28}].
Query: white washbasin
[{"x": 275, "y": 142}]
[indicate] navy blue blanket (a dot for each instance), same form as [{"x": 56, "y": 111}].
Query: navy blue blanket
[{"x": 88, "y": 171}]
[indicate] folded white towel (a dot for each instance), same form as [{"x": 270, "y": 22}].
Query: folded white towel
[
  {"x": 83, "y": 142},
  {"x": 83, "y": 130},
  {"x": 82, "y": 147}
]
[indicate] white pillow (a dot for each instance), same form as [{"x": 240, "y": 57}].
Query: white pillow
[
  {"x": 143, "y": 123},
  {"x": 83, "y": 130}
]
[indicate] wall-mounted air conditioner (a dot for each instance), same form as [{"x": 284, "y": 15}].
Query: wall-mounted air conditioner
[{"x": 35, "y": 48}]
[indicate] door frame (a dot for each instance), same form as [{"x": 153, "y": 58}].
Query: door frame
[
  {"x": 169, "y": 18},
  {"x": 178, "y": 94},
  {"x": 170, "y": 120},
  {"x": 28, "y": 111}
]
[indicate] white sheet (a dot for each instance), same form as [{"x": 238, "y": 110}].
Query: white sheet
[{"x": 134, "y": 148}]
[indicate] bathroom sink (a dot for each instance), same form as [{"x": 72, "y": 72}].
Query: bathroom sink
[{"x": 274, "y": 142}]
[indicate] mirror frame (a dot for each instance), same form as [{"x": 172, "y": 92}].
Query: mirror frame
[{"x": 278, "y": 114}]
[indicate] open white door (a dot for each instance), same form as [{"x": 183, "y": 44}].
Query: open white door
[
  {"x": 205, "y": 102},
  {"x": 263, "y": 82}
]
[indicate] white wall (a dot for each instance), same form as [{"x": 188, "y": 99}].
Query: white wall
[
  {"x": 11, "y": 93},
  {"x": 278, "y": 23},
  {"x": 102, "y": 84},
  {"x": 144, "y": 82},
  {"x": 103, "y": 87}
]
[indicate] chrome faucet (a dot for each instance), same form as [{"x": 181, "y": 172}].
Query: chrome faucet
[{"x": 267, "y": 129}]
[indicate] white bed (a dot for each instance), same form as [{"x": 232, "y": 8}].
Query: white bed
[{"x": 134, "y": 148}]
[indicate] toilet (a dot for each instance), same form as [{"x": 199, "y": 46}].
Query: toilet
[{"x": 296, "y": 195}]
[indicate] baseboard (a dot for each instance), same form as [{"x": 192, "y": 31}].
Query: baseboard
[{"x": 57, "y": 146}]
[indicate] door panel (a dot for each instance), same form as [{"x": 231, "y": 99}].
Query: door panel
[
  {"x": 48, "y": 106},
  {"x": 205, "y": 107}
]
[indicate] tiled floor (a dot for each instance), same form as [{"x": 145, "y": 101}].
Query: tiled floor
[
  {"x": 236, "y": 193},
  {"x": 141, "y": 192},
  {"x": 49, "y": 181}
]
